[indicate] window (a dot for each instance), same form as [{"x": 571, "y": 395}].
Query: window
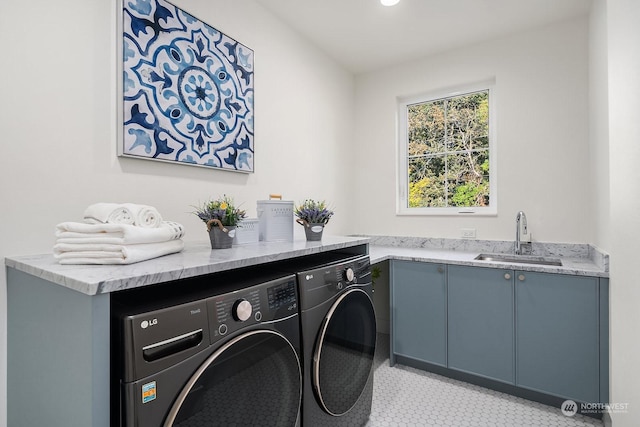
[{"x": 446, "y": 153}]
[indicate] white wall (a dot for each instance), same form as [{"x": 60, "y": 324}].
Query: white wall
[
  {"x": 624, "y": 144},
  {"x": 599, "y": 124},
  {"x": 542, "y": 135},
  {"x": 57, "y": 115}
]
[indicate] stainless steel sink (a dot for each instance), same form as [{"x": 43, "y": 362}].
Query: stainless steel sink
[{"x": 519, "y": 259}]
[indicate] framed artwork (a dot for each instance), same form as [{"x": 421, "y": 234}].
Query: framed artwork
[{"x": 187, "y": 89}]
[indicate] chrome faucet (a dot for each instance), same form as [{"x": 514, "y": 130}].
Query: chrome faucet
[{"x": 521, "y": 224}]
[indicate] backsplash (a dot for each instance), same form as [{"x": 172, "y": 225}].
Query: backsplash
[{"x": 565, "y": 250}]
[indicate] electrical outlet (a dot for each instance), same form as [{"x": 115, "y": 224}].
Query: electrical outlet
[{"x": 468, "y": 233}]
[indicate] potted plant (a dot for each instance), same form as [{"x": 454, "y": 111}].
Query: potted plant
[
  {"x": 221, "y": 217},
  {"x": 313, "y": 215}
]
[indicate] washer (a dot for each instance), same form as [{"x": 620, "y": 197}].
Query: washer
[
  {"x": 231, "y": 358},
  {"x": 338, "y": 329}
]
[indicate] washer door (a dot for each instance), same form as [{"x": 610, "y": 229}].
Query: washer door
[
  {"x": 254, "y": 379},
  {"x": 344, "y": 352}
]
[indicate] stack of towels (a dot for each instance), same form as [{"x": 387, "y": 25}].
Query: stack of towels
[{"x": 115, "y": 233}]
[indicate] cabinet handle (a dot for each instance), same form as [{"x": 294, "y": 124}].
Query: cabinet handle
[
  {"x": 507, "y": 276},
  {"x": 521, "y": 277},
  {"x": 440, "y": 270}
]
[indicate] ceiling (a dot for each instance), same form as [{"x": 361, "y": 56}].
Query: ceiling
[{"x": 363, "y": 35}]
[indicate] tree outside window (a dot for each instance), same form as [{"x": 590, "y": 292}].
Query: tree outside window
[{"x": 447, "y": 152}]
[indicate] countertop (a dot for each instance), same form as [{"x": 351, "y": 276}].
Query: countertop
[
  {"x": 571, "y": 266},
  {"x": 196, "y": 259}
]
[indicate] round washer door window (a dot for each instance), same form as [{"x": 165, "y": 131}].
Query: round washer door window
[
  {"x": 344, "y": 352},
  {"x": 254, "y": 379}
]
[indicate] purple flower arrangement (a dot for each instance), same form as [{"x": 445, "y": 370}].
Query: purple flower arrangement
[{"x": 313, "y": 212}]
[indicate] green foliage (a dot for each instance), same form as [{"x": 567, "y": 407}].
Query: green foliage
[
  {"x": 417, "y": 192},
  {"x": 448, "y": 148},
  {"x": 375, "y": 274},
  {"x": 469, "y": 194},
  {"x": 484, "y": 167},
  {"x": 426, "y": 190}
]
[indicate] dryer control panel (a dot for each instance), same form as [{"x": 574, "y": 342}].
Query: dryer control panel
[{"x": 324, "y": 283}]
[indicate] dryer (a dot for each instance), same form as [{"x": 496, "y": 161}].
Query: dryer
[
  {"x": 225, "y": 357},
  {"x": 338, "y": 330}
]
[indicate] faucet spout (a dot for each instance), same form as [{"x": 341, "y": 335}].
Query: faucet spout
[{"x": 521, "y": 227}]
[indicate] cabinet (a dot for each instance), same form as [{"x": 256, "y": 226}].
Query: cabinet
[
  {"x": 557, "y": 346},
  {"x": 418, "y": 311},
  {"x": 57, "y": 353},
  {"x": 480, "y": 319},
  {"x": 531, "y": 331}
]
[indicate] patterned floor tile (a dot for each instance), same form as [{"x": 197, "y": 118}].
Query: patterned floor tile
[{"x": 405, "y": 396}]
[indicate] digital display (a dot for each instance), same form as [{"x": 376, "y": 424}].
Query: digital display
[{"x": 281, "y": 295}]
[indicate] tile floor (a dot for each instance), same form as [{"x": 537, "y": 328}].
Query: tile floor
[{"x": 405, "y": 396}]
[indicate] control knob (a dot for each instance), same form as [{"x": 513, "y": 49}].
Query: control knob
[
  {"x": 349, "y": 274},
  {"x": 242, "y": 310}
]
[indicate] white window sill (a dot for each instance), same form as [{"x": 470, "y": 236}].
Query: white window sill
[{"x": 454, "y": 212}]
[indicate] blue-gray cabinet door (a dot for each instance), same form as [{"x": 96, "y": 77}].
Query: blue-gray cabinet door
[
  {"x": 557, "y": 349},
  {"x": 480, "y": 318},
  {"x": 604, "y": 340},
  {"x": 418, "y": 307}
]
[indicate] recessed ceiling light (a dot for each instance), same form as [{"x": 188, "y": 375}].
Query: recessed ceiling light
[{"x": 389, "y": 2}]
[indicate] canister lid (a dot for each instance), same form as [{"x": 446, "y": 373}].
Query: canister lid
[{"x": 290, "y": 202}]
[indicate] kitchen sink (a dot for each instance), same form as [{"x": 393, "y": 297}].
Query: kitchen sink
[{"x": 519, "y": 259}]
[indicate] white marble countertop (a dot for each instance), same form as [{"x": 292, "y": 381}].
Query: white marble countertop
[
  {"x": 572, "y": 265},
  {"x": 196, "y": 259}
]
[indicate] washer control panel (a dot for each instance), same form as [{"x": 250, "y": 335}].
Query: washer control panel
[{"x": 230, "y": 312}]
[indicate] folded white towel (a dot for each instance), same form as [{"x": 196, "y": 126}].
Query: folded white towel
[
  {"x": 112, "y": 213},
  {"x": 117, "y": 234},
  {"x": 124, "y": 213},
  {"x": 69, "y": 253},
  {"x": 144, "y": 216}
]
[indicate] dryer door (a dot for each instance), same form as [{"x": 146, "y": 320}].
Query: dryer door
[
  {"x": 344, "y": 352},
  {"x": 254, "y": 379}
]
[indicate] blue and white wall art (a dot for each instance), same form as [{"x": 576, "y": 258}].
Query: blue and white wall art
[{"x": 187, "y": 89}]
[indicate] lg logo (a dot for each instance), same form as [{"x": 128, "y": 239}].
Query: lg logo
[
  {"x": 146, "y": 323},
  {"x": 569, "y": 408}
]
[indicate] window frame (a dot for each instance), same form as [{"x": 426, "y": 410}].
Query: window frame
[{"x": 402, "y": 196}]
